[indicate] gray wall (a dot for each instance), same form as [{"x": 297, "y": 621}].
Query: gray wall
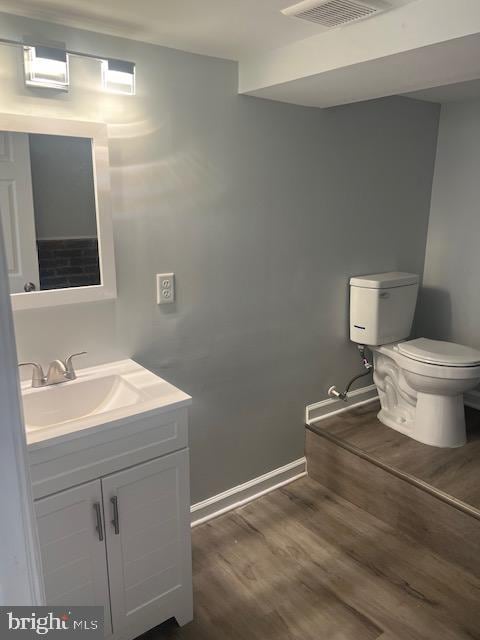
[
  {"x": 263, "y": 210},
  {"x": 450, "y": 302},
  {"x": 63, "y": 189}
]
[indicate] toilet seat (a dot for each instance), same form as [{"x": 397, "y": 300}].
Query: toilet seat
[{"x": 438, "y": 352}]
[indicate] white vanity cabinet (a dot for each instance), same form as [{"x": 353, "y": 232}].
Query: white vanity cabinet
[{"x": 121, "y": 538}]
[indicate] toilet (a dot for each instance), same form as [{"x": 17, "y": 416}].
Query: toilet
[{"x": 420, "y": 382}]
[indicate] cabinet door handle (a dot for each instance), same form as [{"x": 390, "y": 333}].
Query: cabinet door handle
[
  {"x": 99, "y": 527},
  {"x": 115, "y": 521}
]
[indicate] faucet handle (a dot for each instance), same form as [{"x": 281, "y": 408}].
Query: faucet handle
[
  {"x": 38, "y": 376},
  {"x": 70, "y": 371}
]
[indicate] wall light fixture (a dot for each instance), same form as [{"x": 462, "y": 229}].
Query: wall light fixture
[
  {"x": 118, "y": 76},
  {"x": 46, "y": 67}
]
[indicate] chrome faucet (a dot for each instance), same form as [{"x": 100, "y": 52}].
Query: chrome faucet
[{"x": 58, "y": 371}]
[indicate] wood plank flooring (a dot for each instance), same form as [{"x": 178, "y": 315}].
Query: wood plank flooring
[
  {"x": 302, "y": 563},
  {"x": 454, "y": 471}
]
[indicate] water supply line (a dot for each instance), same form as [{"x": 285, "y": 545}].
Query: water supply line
[{"x": 333, "y": 392}]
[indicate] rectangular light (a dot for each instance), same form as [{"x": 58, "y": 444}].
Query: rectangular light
[
  {"x": 46, "y": 67},
  {"x": 118, "y": 76}
]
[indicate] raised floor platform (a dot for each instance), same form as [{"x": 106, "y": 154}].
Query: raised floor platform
[
  {"x": 455, "y": 472},
  {"x": 429, "y": 493}
]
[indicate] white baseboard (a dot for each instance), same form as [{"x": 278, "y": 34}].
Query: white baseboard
[
  {"x": 246, "y": 492},
  {"x": 472, "y": 399},
  {"x": 331, "y": 406}
]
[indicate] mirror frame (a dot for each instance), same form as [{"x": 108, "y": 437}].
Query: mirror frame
[{"x": 97, "y": 132}]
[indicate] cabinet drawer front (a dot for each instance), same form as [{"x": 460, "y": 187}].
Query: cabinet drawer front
[
  {"x": 73, "y": 556},
  {"x": 55, "y": 468},
  {"x": 149, "y": 558}
]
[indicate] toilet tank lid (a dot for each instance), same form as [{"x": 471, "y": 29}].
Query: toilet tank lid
[
  {"x": 439, "y": 352},
  {"x": 385, "y": 280}
]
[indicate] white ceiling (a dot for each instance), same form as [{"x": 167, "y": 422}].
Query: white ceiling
[
  {"x": 397, "y": 52},
  {"x": 426, "y": 49},
  {"x": 223, "y": 28},
  {"x": 458, "y": 92}
]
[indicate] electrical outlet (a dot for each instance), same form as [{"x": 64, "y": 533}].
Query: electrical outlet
[{"x": 165, "y": 288}]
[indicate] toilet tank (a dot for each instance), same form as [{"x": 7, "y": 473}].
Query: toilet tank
[{"x": 382, "y": 306}]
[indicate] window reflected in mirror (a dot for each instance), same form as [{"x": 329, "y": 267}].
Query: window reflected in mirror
[{"x": 48, "y": 211}]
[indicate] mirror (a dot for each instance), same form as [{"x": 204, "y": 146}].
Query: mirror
[
  {"x": 53, "y": 211},
  {"x": 56, "y": 224}
]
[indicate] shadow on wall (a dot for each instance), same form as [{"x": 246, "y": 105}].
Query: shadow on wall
[{"x": 433, "y": 317}]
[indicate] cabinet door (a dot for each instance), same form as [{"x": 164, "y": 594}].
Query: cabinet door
[
  {"x": 71, "y": 532},
  {"x": 148, "y": 544}
]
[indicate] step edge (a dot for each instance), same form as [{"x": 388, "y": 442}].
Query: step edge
[{"x": 401, "y": 475}]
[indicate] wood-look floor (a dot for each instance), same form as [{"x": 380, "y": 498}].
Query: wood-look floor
[
  {"x": 302, "y": 563},
  {"x": 454, "y": 471}
]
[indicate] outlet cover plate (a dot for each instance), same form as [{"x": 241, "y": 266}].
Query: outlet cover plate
[{"x": 165, "y": 288}]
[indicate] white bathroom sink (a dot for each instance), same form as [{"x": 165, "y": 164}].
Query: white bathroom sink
[
  {"x": 66, "y": 402},
  {"x": 104, "y": 395}
]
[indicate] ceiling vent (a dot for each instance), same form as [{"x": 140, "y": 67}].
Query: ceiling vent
[{"x": 334, "y": 13}]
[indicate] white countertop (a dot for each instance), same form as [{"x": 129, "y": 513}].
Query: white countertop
[{"x": 102, "y": 397}]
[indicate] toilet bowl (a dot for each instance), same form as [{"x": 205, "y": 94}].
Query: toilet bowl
[{"x": 421, "y": 385}]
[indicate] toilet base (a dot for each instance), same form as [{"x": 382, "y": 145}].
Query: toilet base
[
  {"x": 434, "y": 419},
  {"x": 439, "y": 421}
]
